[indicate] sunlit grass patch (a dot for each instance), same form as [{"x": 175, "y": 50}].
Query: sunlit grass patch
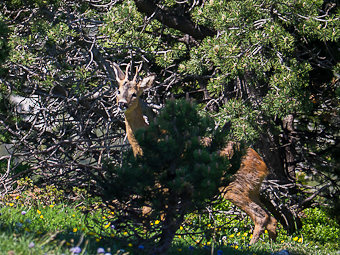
[
  {"x": 65, "y": 229},
  {"x": 26, "y": 244}
]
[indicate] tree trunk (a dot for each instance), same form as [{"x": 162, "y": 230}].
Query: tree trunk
[
  {"x": 279, "y": 185},
  {"x": 174, "y": 217},
  {"x": 171, "y": 225},
  {"x": 288, "y": 141}
]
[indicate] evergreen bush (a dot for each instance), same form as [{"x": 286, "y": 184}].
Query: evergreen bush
[{"x": 176, "y": 175}]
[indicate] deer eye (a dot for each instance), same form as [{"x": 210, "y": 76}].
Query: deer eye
[
  {"x": 134, "y": 95},
  {"x": 118, "y": 92}
]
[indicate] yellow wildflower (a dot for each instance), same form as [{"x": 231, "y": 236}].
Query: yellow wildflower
[
  {"x": 300, "y": 240},
  {"x": 51, "y": 206},
  {"x": 130, "y": 244},
  {"x": 295, "y": 238},
  {"x": 11, "y": 204},
  {"x": 266, "y": 231},
  {"x": 245, "y": 234},
  {"x": 107, "y": 225},
  {"x": 41, "y": 216},
  {"x": 17, "y": 197},
  {"x": 181, "y": 228},
  {"x": 75, "y": 230},
  {"x": 232, "y": 235},
  {"x": 38, "y": 212},
  {"x": 238, "y": 234},
  {"x": 157, "y": 222}
]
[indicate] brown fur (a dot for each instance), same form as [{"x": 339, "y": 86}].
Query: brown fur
[
  {"x": 133, "y": 121},
  {"x": 244, "y": 191}
]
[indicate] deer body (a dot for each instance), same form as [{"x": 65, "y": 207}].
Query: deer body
[
  {"x": 244, "y": 191},
  {"x": 132, "y": 123}
]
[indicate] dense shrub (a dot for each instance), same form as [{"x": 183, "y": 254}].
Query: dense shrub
[{"x": 320, "y": 228}]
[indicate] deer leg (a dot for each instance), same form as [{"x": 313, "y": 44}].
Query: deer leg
[
  {"x": 262, "y": 220},
  {"x": 269, "y": 222},
  {"x": 256, "y": 212},
  {"x": 271, "y": 227}
]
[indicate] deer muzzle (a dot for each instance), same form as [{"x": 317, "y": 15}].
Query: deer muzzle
[{"x": 122, "y": 106}]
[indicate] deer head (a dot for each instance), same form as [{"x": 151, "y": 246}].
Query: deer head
[{"x": 129, "y": 91}]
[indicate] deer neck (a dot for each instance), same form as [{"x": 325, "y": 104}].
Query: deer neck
[{"x": 134, "y": 120}]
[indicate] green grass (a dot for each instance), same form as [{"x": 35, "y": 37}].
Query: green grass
[{"x": 57, "y": 228}]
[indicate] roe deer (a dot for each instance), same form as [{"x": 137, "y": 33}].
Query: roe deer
[{"x": 243, "y": 191}]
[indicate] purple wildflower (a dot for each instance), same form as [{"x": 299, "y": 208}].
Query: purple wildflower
[
  {"x": 75, "y": 250},
  {"x": 100, "y": 250}
]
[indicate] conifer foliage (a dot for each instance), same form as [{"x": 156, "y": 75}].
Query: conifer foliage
[{"x": 176, "y": 175}]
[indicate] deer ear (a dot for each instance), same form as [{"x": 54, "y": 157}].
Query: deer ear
[
  {"x": 120, "y": 76},
  {"x": 147, "y": 82}
]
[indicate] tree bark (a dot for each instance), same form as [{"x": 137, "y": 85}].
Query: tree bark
[
  {"x": 174, "y": 20},
  {"x": 288, "y": 141},
  {"x": 271, "y": 196}
]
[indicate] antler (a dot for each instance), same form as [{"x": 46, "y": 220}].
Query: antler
[
  {"x": 127, "y": 72},
  {"x": 137, "y": 72},
  {"x": 121, "y": 76}
]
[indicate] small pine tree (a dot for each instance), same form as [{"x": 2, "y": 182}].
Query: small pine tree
[{"x": 176, "y": 175}]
